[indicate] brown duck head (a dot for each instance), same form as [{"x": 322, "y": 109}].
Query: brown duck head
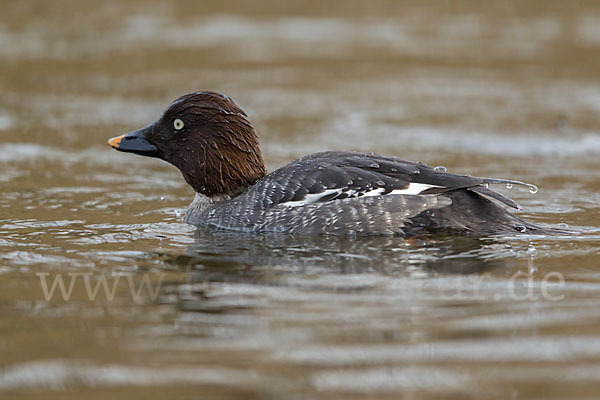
[{"x": 208, "y": 137}]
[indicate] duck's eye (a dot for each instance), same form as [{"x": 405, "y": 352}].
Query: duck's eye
[{"x": 178, "y": 124}]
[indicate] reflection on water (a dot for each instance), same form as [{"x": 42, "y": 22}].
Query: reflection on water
[
  {"x": 150, "y": 307},
  {"x": 383, "y": 255}
]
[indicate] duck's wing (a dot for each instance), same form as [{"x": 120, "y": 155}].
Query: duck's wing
[{"x": 331, "y": 176}]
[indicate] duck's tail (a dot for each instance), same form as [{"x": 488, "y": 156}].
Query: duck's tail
[{"x": 472, "y": 213}]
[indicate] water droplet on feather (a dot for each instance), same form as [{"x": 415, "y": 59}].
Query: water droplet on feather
[{"x": 533, "y": 189}]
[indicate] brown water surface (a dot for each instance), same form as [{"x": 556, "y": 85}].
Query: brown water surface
[{"x": 505, "y": 89}]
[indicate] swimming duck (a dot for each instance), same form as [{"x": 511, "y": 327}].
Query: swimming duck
[{"x": 212, "y": 142}]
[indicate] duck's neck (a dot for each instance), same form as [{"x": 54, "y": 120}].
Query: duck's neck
[
  {"x": 199, "y": 205},
  {"x": 202, "y": 202}
]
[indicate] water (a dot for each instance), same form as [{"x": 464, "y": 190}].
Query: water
[{"x": 506, "y": 90}]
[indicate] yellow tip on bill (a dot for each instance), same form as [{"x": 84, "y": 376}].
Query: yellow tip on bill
[{"x": 114, "y": 142}]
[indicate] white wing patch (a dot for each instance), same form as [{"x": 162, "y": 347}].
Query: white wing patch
[
  {"x": 312, "y": 198},
  {"x": 413, "y": 188},
  {"x": 374, "y": 192}
]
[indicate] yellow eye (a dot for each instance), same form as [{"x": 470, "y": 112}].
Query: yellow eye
[{"x": 178, "y": 124}]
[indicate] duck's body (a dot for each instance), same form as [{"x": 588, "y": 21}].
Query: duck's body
[
  {"x": 214, "y": 145},
  {"x": 342, "y": 193}
]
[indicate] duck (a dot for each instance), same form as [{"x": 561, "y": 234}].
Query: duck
[{"x": 212, "y": 142}]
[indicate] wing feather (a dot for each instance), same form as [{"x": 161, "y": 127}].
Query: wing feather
[{"x": 334, "y": 176}]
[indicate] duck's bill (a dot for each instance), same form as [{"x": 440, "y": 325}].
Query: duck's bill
[{"x": 135, "y": 142}]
